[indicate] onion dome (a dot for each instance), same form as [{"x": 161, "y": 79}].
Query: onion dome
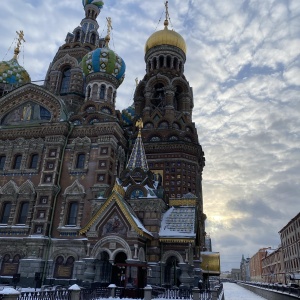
[
  {"x": 97, "y": 3},
  {"x": 11, "y": 72},
  {"x": 128, "y": 115},
  {"x": 165, "y": 37},
  {"x": 104, "y": 60}
]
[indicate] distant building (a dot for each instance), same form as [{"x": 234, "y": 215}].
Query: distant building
[
  {"x": 272, "y": 266},
  {"x": 245, "y": 269},
  {"x": 236, "y": 274},
  {"x": 208, "y": 246},
  {"x": 256, "y": 265},
  {"x": 290, "y": 243}
]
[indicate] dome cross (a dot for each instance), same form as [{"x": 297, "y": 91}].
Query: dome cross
[{"x": 20, "y": 39}]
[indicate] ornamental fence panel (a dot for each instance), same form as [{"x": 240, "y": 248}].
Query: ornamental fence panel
[{"x": 46, "y": 295}]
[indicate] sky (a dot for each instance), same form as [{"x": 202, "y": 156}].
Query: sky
[{"x": 243, "y": 62}]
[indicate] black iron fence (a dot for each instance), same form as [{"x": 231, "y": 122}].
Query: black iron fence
[{"x": 46, "y": 295}]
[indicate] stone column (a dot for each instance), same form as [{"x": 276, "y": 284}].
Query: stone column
[
  {"x": 89, "y": 273},
  {"x": 196, "y": 293},
  {"x": 185, "y": 278}
]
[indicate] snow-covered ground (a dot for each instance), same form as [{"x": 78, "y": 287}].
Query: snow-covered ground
[{"x": 232, "y": 291}]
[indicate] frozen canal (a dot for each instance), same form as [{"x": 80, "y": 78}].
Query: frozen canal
[{"x": 234, "y": 292}]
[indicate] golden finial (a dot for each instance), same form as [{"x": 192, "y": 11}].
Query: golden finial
[
  {"x": 20, "y": 39},
  {"x": 166, "y": 23},
  {"x": 139, "y": 124},
  {"x": 109, "y": 28}
]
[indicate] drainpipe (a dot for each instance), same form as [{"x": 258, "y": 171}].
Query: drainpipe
[{"x": 71, "y": 126}]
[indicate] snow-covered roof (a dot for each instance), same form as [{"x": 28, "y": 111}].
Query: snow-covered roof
[{"x": 178, "y": 222}]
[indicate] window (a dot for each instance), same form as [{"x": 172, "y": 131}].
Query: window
[
  {"x": 23, "y": 213},
  {"x": 65, "y": 82},
  {"x": 5, "y": 213},
  {"x": 33, "y": 161},
  {"x": 80, "y": 161},
  {"x": 17, "y": 162},
  {"x": 2, "y": 161},
  {"x": 72, "y": 216},
  {"x": 102, "y": 91}
]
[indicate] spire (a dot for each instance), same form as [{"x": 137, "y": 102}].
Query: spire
[
  {"x": 138, "y": 156},
  {"x": 20, "y": 40}
]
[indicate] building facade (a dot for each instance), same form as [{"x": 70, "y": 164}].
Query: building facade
[
  {"x": 92, "y": 194},
  {"x": 272, "y": 266},
  {"x": 290, "y": 243}
]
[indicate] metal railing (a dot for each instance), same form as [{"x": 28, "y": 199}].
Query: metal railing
[{"x": 46, "y": 295}]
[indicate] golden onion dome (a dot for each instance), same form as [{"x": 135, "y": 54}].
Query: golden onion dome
[{"x": 165, "y": 37}]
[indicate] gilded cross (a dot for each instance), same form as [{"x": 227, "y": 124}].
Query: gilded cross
[{"x": 20, "y": 40}]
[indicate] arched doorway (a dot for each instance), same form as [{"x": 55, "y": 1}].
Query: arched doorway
[
  {"x": 172, "y": 272},
  {"x": 119, "y": 269},
  {"x": 103, "y": 269}
]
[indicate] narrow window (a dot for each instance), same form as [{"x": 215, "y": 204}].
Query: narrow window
[
  {"x": 33, "y": 161},
  {"x": 72, "y": 216},
  {"x": 102, "y": 91},
  {"x": 5, "y": 213},
  {"x": 80, "y": 161},
  {"x": 66, "y": 78},
  {"x": 2, "y": 161},
  {"x": 23, "y": 213},
  {"x": 17, "y": 162}
]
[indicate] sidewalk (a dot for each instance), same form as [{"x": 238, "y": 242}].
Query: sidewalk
[{"x": 234, "y": 292}]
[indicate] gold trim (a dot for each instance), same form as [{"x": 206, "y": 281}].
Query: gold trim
[
  {"x": 176, "y": 240},
  {"x": 182, "y": 202},
  {"x": 118, "y": 189}
]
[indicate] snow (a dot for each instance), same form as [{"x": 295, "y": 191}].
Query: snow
[{"x": 232, "y": 291}]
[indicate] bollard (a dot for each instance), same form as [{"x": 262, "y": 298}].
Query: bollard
[
  {"x": 75, "y": 292},
  {"x": 196, "y": 293},
  {"x": 112, "y": 288},
  {"x": 147, "y": 292}
]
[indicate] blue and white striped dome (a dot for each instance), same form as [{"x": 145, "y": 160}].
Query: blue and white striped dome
[{"x": 104, "y": 60}]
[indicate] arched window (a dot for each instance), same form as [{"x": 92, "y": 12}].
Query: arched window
[
  {"x": 169, "y": 61},
  {"x": 17, "y": 162},
  {"x": 33, "y": 161},
  {"x": 72, "y": 215},
  {"x": 5, "y": 212},
  {"x": 89, "y": 89},
  {"x": 23, "y": 213},
  {"x": 175, "y": 63},
  {"x": 80, "y": 161},
  {"x": 154, "y": 63},
  {"x": 65, "y": 82},
  {"x": 161, "y": 62},
  {"x": 93, "y": 38},
  {"x": 44, "y": 113},
  {"x": 109, "y": 94},
  {"x": 77, "y": 36},
  {"x": 102, "y": 91},
  {"x": 2, "y": 161}
]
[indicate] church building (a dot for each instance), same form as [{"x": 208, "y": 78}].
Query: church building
[{"x": 90, "y": 194}]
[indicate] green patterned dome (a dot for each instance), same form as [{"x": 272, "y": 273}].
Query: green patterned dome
[
  {"x": 104, "y": 60},
  {"x": 97, "y": 3},
  {"x": 12, "y": 73}
]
